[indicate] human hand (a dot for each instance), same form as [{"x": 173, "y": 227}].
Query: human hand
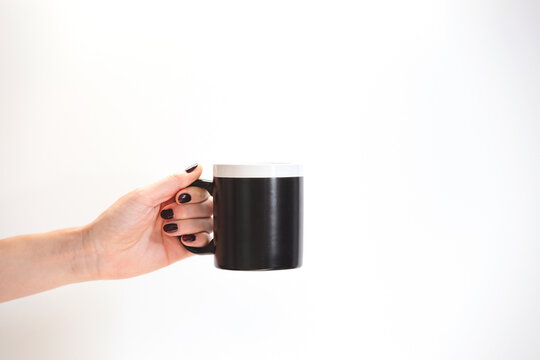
[{"x": 139, "y": 232}]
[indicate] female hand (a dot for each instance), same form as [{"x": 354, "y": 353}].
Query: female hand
[{"x": 139, "y": 232}]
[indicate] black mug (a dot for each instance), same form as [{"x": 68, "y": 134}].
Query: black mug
[{"x": 258, "y": 216}]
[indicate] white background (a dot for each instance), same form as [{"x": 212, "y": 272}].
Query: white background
[{"x": 418, "y": 124}]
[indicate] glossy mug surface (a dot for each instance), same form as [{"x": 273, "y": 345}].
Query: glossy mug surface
[{"x": 258, "y": 216}]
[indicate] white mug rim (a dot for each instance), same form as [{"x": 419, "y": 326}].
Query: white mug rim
[{"x": 258, "y": 170}]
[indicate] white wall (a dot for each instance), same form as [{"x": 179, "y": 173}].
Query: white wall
[{"x": 418, "y": 123}]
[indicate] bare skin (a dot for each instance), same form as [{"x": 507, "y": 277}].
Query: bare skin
[{"x": 126, "y": 240}]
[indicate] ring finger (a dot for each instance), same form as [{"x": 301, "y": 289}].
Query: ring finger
[{"x": 187, "y": 226}]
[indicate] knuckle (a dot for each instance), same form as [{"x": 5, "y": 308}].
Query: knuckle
[
  {"x": 209, "y": 224},
  {"x": 138, "y": 192},
  {"x": 140, "y": 195},
  {"x": 176, "y": 178},
  {"x": 199, "y": 193},
  {"x": 204, "y": 193},
  {"x": 208, "y": 207},
  {"x": 180, "y": 212}
]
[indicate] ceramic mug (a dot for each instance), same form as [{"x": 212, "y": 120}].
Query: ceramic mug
[{"x": 258, "y": 216}]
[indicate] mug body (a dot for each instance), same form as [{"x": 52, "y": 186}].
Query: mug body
[{"x": 258, "y": 216}]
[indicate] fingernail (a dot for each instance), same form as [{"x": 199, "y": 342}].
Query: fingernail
[
  {"x": 184, "y": 198},
  {"x": 169, "y": 228},
  {"x": 188, "y": 237},
  {"x": 167, "y": 214},
  {"x": 192, "y": 167}
]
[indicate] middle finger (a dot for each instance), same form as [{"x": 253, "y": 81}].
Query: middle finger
[{"x": 187, "y": 211}]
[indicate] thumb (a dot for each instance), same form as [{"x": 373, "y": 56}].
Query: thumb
[{"x": 167, "y": 188}]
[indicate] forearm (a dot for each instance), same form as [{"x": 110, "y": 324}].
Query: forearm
[{"x": 33, "y": 263}]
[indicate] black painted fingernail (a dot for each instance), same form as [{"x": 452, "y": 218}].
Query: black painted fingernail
[
  {"x": 170, "y": 227},
  {"x": 191, "y": 168},
  {"x": 184, "y": 198},
  {"x": 188, "y": 237},
  {"x": 167, "y": 214}
]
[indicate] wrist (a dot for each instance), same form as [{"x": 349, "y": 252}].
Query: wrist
[
  {"x": 85, "y": 259},
  {"x": 76, "y": 254}
]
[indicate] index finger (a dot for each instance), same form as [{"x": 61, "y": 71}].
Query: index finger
[{"x": 192, "y": 195}]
